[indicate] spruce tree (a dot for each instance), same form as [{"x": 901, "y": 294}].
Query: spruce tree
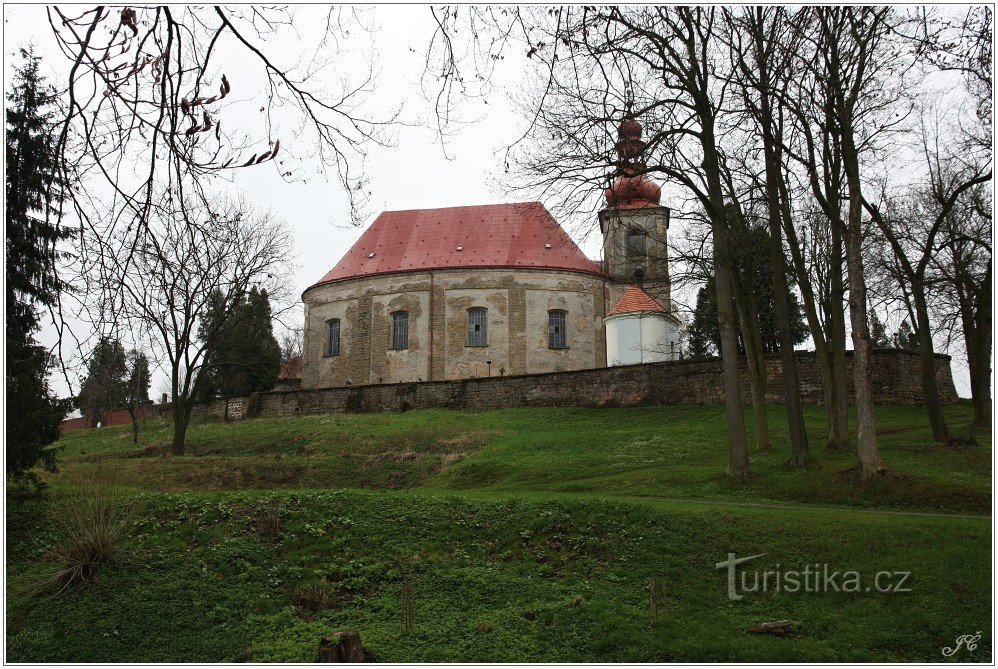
[
  {"x": 878, "y": 333},
  {"x": 905, "y": 337},
  {"x": 266, "y": 358},
  {"x": 136, "y": 388},
  {"x": 33, "y": 193},
  {"x": 105, "y": 387},
  {"x": 755, "y": 266},
  {"x": 245, "y": 357},
  {"x": 703, "y": 330}
]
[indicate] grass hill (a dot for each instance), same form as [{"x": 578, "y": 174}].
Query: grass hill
[{"x": 526, "y": 535}]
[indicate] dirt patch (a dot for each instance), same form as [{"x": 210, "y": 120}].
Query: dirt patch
[
  {"x": 452, "y": 458},
  {"x": 394, "y": 456}
]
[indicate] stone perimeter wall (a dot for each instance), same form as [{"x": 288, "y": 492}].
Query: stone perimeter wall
[{"x": 895, "y": 380}]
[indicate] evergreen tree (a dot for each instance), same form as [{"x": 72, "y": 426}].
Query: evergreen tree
[
  {"x": 32, "y": 231},
  {"x": 878, "y": 333},
  {"x": 705, "y": 336},
  {"x": 212, "y": 381},
  {"x": 905, "y": 337},
  {"x": 137, "y": 393},
  {"x": 703, "y": 329},
  {"x": 245, "y": 357},
  {"x": 105, "y": 387},
  {"x": 265, "y": 360},
  {"x": 136, "y": 388}
]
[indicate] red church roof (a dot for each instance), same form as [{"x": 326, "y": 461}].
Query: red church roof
[
  {"x": 635, "y": 300},
  {"x": 523, "y": 235}
]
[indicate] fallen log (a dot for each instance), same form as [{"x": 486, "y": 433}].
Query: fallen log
[{"x": 778, "y": 628}]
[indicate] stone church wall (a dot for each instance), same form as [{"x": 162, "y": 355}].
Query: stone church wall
[
  {"x": 517, "y": 303},
  {"x": 895, "y": 377}
]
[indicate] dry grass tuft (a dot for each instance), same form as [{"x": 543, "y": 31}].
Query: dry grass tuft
[{"x": 90, "y": 532}]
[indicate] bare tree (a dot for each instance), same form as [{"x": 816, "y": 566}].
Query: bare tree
[
  {"x": 764, "y": 46},
  {"x": 157, "y": 111},
  {"x": 163, "y": 286},
  {"x": 915, "y": 240},
  {"x": 965, "y": 269}
]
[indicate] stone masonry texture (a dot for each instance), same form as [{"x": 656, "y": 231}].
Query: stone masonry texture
[{"x": 895, "y": 380}]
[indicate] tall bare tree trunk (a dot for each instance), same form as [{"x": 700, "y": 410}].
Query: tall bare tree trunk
[
  {"x": 975, "y": 313},
  {"x": 181, "y": 415},
  {"x": 135, "y": 424},
  {"x": 814, "y": 324},
  {"x": 738, "y": 464},
  {"x": 839, "y": 437},
  {"x": 866, "y": 431},
  {"x": 748, "y": 321},
  {"x": 181, "y": 420},
  {"x": 927, "y": 358},
  {"x": 772, "y": 142}
]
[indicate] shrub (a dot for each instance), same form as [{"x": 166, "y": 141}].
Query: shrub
[{"x": 90, "y": 532}]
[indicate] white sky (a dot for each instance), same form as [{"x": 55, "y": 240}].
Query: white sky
[{"x": 413, "y": 173}]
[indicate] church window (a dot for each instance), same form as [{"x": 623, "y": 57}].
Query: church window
[
  {"x": 478, "y": 326},
  {"x": 556, "y": 329},
  {"x": 635, "y": 249},
  {"x": 400, "y": 330},
  {"x": 332, "y": 337}
]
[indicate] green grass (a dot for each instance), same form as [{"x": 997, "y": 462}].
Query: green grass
[
  {"x": 675, "y": 452},
  {"x": 527, "y": 535}
]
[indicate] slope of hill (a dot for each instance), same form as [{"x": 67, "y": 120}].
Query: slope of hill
[{"x": 527, "y": 535}]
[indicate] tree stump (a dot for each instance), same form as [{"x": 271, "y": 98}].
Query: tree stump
[{"x": 342, "y": 646}]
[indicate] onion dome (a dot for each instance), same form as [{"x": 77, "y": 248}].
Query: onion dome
[{"x": 632, "y": 188}]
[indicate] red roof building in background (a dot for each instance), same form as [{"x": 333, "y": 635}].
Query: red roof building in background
[
  {"x": 522, "y": 235},
  {"x": 463, "y": 292}
]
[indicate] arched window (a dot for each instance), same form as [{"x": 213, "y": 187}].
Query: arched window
[
  {"x": 556, "y": 329},
  {"x": 400, "y": 330},
  {"x": 635, "y": 249},
  {"x": 478, "y": 326},
  {"x": 332, "y": 337}
]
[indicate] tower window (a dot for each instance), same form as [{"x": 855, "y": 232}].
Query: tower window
[
  {"x": 636, "y": 240},
  {"x": 332, "y": 337},
  {"x": 400, "y": 330},
  {"x": 556, "y": 329},
  {"x": 478, "y": 326}
]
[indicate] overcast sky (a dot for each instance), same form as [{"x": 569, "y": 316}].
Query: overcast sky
[{"x": 413, "y": 173}]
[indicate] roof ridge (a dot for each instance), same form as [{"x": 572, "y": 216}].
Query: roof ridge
[{"x": 462, "y": 206}]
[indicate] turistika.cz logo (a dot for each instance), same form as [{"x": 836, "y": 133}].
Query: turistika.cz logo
[{"x": 812, "y": 578}]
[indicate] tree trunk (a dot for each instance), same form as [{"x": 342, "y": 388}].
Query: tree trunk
[
  {"x": 866, "y": 431},
  {"x": 342, "y": 646},
  {"x": 181, "y": 419},
  {"x": 135, "y": 424},
  {"x": 839, "y": 437},
  {"x": 738, "y": 464},
  {"x": 927, "y": 357},
  {"x": 800, "y": 453},
  {"x": 755, "y": 361},
  {"x": 979, "y": 349},
  {"x": 821, "y": 346}
]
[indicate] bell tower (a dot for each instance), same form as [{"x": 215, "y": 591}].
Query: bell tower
[{"x": 634, "y": 225}]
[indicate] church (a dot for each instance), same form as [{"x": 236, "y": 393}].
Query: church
[{"x": 492, "y": 290}]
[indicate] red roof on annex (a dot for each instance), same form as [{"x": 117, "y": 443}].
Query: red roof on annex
[
  {"x": 522, "y": 235},
  {"x": 636, "y": 300}
]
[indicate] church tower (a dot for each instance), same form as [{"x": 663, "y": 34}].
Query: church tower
[{"x": 634, "y": 225}]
